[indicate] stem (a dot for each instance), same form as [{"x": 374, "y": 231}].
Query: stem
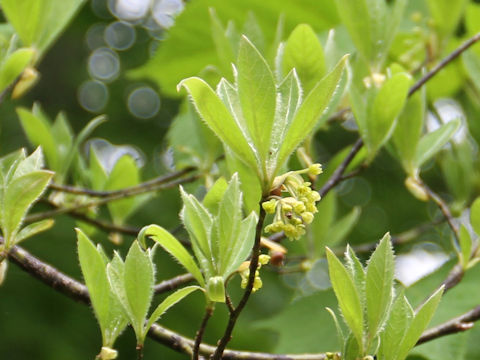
[
  {"x": 445, "y": 61},
  {"x": 248, "y": 290},
  {"x": 199, "y": 336},
  {"x": 139, "y": 349},
  {"x": 105, "y": 200}
]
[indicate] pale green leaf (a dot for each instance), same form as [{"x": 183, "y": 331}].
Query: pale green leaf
[
  {"x": 214, "y": 195},
  {"x": 396, "y": 326},
  {"x": 475, "y": 215},
  {"x": 242, "y": 245},
  {"x": 218, "y": 118},
  {"x": 446, "y": 14},
  {"x": 168, "y": 242},
  {"x": 168, "y": 303},
  {"x": 33, "y": 162},
  {"x": 304, "y": 52},
  {"x": 384, "y": 110},
  {"x": 33, "y": 229},
  {"x": 257, "y": 95},
  {"x": 431, "y": 143},
  {"x": 14, "y": 65},
  {"x": 409, "y": 129},
  {"x": 419, "y": 323},
  {"x": 39, "y": 133},
  {"x": 139, "y": 279},
  {"x": 223, "y": 47},
  {"x": 357, "y": 272},
  {"x": 116, "y": 279},
  {"x": 465, "y": 242},
  {"x": 39, "y": 22},
  {"x": 310, "y": 111},
  {"x": 20, "y": 194},
  {"x": 379, "y": 285},
  {"x": 347, "y": 295},
  {"x": 228, "y": 222}
]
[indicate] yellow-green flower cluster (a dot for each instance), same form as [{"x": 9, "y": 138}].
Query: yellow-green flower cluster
[
  {"x": 294, "y": 212},
  {"x": 244, "y": 271}
]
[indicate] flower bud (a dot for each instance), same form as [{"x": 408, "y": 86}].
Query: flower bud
[{"x": 216, "y": 289}]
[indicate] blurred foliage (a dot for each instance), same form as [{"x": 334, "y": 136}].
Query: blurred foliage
[{"x": 36, "y": 322}]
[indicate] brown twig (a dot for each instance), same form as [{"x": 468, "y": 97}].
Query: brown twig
[
  {"x": 173, "y": 283},
  {"x": 147, "y": 186},
  {"x": 105, "y": 200},
  {"x": 444, "y": 62},
  {"x": 199, "y": 336}
]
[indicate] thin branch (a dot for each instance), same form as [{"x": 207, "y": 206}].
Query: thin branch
[
  {"x": 459, "y": 324},
  {"x": 444, "y": 62},
  {"x": 146, "y": 186},
  {"x": 217, "y": 355},
  {"x": 199, "y": 336},
  {"x": 105, "y": 200},
  {"x": 442, "y": 205},
  {"x": 338, "y": 173},
  {"x": 105, "y": 225},
  {"x": 173, "y": 283}
]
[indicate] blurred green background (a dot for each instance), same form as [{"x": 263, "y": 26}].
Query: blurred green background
[{"x": 123, "y": 59}]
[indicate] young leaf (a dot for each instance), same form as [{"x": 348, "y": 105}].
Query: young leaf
[
  {"x": 223, "y": 46},
  {"x": 347, "y": 296},
  {"x": 213, "y": 197},
  {"x": 116, "y": 279},
  {"x": 33, "y": 229},
  {"x": 174, "y": 247},
  {"x": 408, "y": 130},
  {"x": 396, "y": 326},
  {"x": 386, "y": 107},
  {"x": 14, "y": 65},
  {"x": 39, "y": 22},
  {"x": 418, "y": 325},
  {"x": 310, "y": 111},
  {"x": 20, "y": 194},
  {"x": 218, "y": 118},
  {"x": 357, "y": 272},
  {"x": 379, "y": 285},
  {"x": 242, "y": 245},
  {"x": 139, "y": 281},
  {"x": 38, "y": 131},
  {"x": 168, "y": 303},
  {"x": 228, "y": 221},
  {"x": 341, "y": 337},
  {"x": 304, "y": 52},
  {"x": 475, "y": 215},
  {"x": 93, "y": 269},
  {"x": 431, "y": 143},
  {"x": 465, "y": 246},
  {"x": 257, "y": 95}
]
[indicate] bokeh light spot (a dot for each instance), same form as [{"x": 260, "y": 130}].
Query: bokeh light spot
[
  {"x": 104, "y": 64},
  {"x": 143, "y": 102},
  {"x": 93, "y": 95}
]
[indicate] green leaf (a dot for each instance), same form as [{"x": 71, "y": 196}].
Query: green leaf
[
  {"x": 475, "y": 215},
  {"x": 242, "y": 244},
  {"x": 289, "y": 99},
  {"x": 409, "y": 129},
  {"x": 446, "y": 14},
  {"x": 304, "y": 52},
  {"x": 20, "y": 194},
  {"x": 342, "y": 227},
  {"x": 214, "y": 196},
  {"x": 39, "y": 22},
  {"x": 356, "y": 17},
  {"x": 379, "y": 285},
  {"x": 341, "y": 337},
  {"x": 168, "y": 303},
  {"x": 125, "y": 173},
  {"x": 384, "y": 110},
  {"x": 33, "y": 162},
  {"x": 14, "y": 65},
  {"x": 352, "y": 350},
  {"x": 465, "y": 242},
  {"x": 228, "y": 222},
  {"x": 139, "y": 281},
  {"x": 219, "y": 119},
  {"x": 168, "y": 242},
  {"x": 357, "y": 272},
  {"x": 33, "y": 229},
  {"x": 39, "y": 133},
  {"x": 94, "y": 272},
  {"x": 257, "y": 95},
  {"x": 310, "y": 111},
  {"x": 419, "y": 323},
  {"x": 431, "y": 143},
  {"x": 116, "y": 279},
  {"x": 223, "y": 46},
  {"x": 347, "y": 296},
  {"x": 396, "y": 326}
]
